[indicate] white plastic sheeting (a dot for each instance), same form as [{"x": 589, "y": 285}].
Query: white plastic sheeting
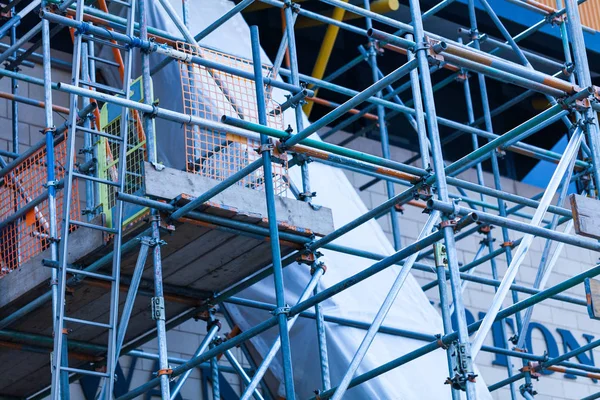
[{"x": 420, "y": 379}]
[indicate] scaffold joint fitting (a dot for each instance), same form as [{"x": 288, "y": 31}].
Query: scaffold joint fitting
[
  {"x": 213, "y": 322},
  {"x": 164, "y": 371},
  {"x": 440, "y": 256},
  {"x": 158, "y": 308},
  {"x": 317, "y": 265},
  {"x": 281, "y": 310}
]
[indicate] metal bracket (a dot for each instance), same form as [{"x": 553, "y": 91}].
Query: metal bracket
[
  {"x": 463, "y": 369},
  {"x": 281, "y": 310},
  {"x": 213, "y": 322},
  {"x": 158, "y": 308},
  {"x": 158, "y": 166},
  {"x": 485, "y": 229},
  {"x": 308, "y": 257},
  {"x": 91, "y": 211},
  {"x": 51, "y": 129},
  {"x": 264, "y": 148},
  {"x": 462, "y": 76},
  {"x": 440, "y": 342},
  {"x": 527, "y": 387},
  {"x": 554, "y": 19},
  {"x": 316, "y": 265},
  {"x": 150, "y": 241},
  {"x": 532, "y": 368},
  {"x": 165, "y": 371},
  {"x": 449, "y": 222},
  {"x": 295, "y": 7},
  {"x": 306, "y": 195},
  {"x": 423, "y": 192},
  {"x": 440, "y": 256},
  {"x": 51, "y": 183}
]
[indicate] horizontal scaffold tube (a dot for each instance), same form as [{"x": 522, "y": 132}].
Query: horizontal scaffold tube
[{"x": 516, "y": 225}]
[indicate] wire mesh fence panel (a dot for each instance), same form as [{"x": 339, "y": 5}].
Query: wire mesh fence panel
[
  {"x": 108, "y": 156},
  {"x": 210, "y": 94},
  {"x": 29, "y": 235}
]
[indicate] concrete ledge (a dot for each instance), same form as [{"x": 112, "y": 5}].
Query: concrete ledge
[{"x": 171, "y": 183}]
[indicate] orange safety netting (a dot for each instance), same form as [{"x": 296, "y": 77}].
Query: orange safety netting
[
  {"x": 30, "y": 235},
  {"x": 210, "y": 94}
]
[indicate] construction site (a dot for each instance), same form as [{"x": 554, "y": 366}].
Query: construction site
[{"x": 309, "y": 199}]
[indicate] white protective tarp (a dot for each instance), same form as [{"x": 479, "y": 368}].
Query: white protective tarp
[{"x": 422, "y": 378}]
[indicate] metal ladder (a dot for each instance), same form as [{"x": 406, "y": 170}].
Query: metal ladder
[{"x": 60, "y": 368}]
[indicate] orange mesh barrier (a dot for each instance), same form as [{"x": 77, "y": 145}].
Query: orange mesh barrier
[
  {"x": 30, "y": 235},
  {"x": 210, "y": 94}
]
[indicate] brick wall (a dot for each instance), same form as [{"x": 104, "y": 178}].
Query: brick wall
[{"x": 553, "y": 315}]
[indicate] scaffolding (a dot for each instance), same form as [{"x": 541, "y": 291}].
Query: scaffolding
[{"x": 241, "y": 140}]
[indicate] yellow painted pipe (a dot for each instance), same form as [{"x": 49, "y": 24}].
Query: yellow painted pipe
[
  {"x": 378, "y": 6},
  {"x": 325, "y": 52}
]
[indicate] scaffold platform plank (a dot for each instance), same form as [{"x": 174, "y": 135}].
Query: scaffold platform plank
[
  {"x": 585, "y": 215},
  {"x": 199, "y": 259}
]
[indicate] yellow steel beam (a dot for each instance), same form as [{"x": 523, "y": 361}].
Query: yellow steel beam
[
  {"x": 378, "y": 6},
  {"x": 325, "y": 52}
]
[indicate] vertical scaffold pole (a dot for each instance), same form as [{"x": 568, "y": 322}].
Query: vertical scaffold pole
[
  {"x": 158, "y": 301},
  {"x": 281, "y": 311},
  {"x": 489, "y": 240},
  {"x": 440, "y": 269},
  {"x": 306, "y": 194},
  {"x": 584, "y": 78},
  {"x": 14, "y": 89},
  {"x": 321, "y": 335},
  {"x": 442, "y": 192},
  {"x": 383, "y": 134}
]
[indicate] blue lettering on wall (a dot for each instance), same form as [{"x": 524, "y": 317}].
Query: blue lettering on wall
[
  {"x": 500, "y": 339},
  {"x": 570, "y": 343}
]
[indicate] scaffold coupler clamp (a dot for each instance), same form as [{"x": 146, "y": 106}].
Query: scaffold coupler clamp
[
  {"x": 294, "y": 6},
  {"x": 306, "y": 196},
  {"x": 464, "y": 368},
  {"x": 282, "y": 310},
  {"x": 440, "y": 341},
  {"x": 56, "y": 184},
  {"x": 267, "y": 147},
  {"x": 151, "y": 242},
  {"x": 462, "y": 76},
  {"x": 308, "y": 257},
  {"x": 484, "y": 229},
  {"x": 439, "y": 255},
  {"x": 532, "y": 368},
  {"x": 527, "y": 388},
  {"x": 49, "y": 129},
  {"x": 158, "y": 308},
  {"x": 422, "y": 192},
  {"x": 555, "y": 19},
  {"x": 568, "y": 68},
  {"x": 213, "y": 322},
  {"x": 164, "y": 371},
  {"x": 453, "y": 223}
]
